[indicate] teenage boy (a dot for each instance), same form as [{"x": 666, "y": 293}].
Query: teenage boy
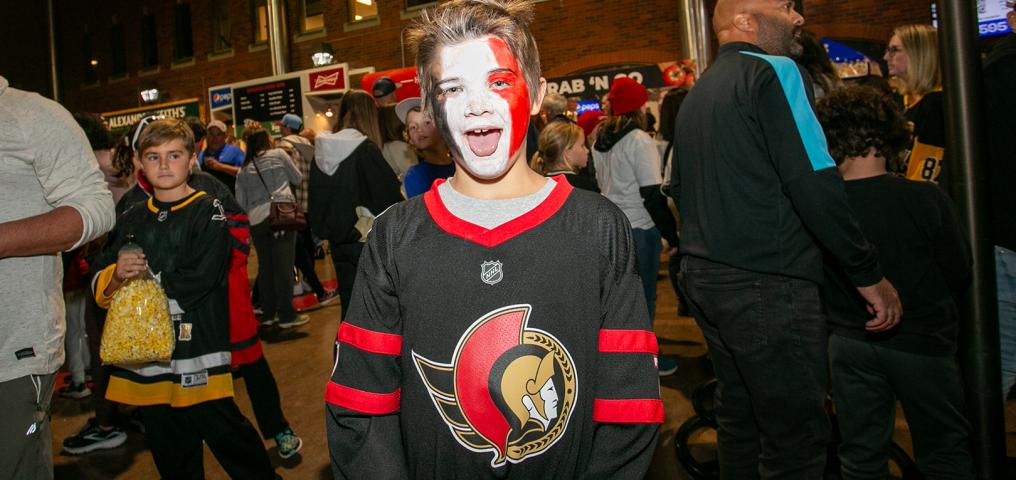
[
  {"x": 923, "y": 249},
  {"x": 497, "y": 327},
  {"x": 186, "y": 244}
]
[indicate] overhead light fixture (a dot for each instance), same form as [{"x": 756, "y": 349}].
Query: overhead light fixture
[
  {"x": 94, "y": 62},
  {"x": 329, "y": 113},
  {"x": 323, "y": 55},
  {"x": 366, "y": 2},
  {"x": 150, "y": 95},
  {"x": 358, "y": 17}
]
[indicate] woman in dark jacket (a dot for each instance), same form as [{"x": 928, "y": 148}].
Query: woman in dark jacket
[{"x": 350, "y": 183}]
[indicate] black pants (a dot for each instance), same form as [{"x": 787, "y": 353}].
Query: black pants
[
  {"x": 867, "y": 381},
  {"x": 175, "y": 437},
  {"x": 767, "y": 339},
  {"x": 305, "y": 261},
  {"x": 275, "y": 271},
  {"x": 264, "y": 397},
  {"x": 345, "y": 257}
]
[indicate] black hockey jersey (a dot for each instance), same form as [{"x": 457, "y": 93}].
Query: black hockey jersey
[
  {"x": 522, "y": 351},
  {"x": 187, "y": 245}
]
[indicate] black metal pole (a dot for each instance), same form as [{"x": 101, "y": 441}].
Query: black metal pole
[{"x": 961, "y": 78}]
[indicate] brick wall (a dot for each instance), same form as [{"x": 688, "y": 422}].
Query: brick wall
[{"x": 573, "y": 35}]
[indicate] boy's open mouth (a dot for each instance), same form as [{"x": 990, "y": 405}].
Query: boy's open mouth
[{"x": 483, "y": 141}]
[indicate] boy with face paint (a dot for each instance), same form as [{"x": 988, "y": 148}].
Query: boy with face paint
[{"x": 455, "y": 284}]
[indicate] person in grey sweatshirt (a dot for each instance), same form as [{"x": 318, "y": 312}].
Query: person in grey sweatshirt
[
  {"x": 266, "y": 173},
  {"x": 52, "y": 198}
]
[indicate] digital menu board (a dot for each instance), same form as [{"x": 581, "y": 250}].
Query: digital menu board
[{"x": 269, "y": 101}]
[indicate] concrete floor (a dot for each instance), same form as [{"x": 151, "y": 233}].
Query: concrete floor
[{"x": 301, "y": 360}]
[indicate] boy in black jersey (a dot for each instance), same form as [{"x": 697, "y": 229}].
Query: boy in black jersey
[
  {"x": 497, "y": 327},
  {"x": 924, "y": 252},
  {"x": 185, "y": 241}
]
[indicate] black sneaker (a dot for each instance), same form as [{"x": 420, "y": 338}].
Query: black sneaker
[
  {"x": 94, "y": 438},
  {"x": 76, "y": 391},
  {"x": 328, "y": 297}
]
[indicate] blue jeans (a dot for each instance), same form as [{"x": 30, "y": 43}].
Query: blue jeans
[
  {"x": 1005, "y": 281},
  {"x": 647, "y": 257},
  {"x": 767, "y": 339}
]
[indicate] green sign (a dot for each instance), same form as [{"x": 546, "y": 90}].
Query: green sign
[{"x": 120, "y": 122}]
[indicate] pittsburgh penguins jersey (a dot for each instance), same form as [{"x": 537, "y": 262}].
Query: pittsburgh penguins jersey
[
  {"x": 927, "y": 119},
  {"x": 187, "y": 246},
  {"x": 521, "y": 351}
]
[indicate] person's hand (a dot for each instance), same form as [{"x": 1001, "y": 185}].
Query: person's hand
[
  {"x": 213, "y": 164},
  {"x": 130, "y": 265},
  {"x": 884, "y": 304},
  {"x": 671, "y": 252}
]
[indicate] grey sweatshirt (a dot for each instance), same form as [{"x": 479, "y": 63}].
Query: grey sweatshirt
[
  {"x": 280, "y": 176},
  {"x": 45, "y": 163}
]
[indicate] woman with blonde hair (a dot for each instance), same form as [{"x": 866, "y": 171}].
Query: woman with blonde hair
[
  {"x": 912, "y": 56},
  {"x": 349, "y": 179},
  {"x": 562, "y": 151}
]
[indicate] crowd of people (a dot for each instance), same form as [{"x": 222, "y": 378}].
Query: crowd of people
[{"x": 496, "y": 258}]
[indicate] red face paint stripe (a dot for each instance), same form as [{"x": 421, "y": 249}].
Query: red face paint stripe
[
  {"x": 370, "y": 341},
  {"x": 628, "y": 341},
  {"x": 648, "y": 410},
  {"x": 362, "y": 401},
  {"x": 489, "y": 238},
  {"x": 517, "y": 96}
]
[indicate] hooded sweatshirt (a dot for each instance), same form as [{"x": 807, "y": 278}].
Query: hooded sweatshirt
[
  {"x": 348, "y": 172},
  {"x": 1000, "y": 96},
  {"x": 255, "y": 193}
]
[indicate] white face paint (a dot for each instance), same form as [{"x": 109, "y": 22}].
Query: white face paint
[
  {"x": 549, "y": 395},
  {"x": 479, "y": 95}
]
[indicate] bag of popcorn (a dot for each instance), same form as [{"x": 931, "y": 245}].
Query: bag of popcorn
[{"x": 138, "y": 326}]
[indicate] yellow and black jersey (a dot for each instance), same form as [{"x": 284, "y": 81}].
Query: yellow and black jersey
[
  {"x": 927, "y": 117},
  {"x": 186, "y": 244}
]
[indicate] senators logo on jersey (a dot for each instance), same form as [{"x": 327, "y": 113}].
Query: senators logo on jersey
[{"x": 508, "y": 390}]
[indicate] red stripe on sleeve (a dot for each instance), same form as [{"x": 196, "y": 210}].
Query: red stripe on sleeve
[
  {"x": 628, "y": 341},
  {"x": 628, "y": 411},
  {"x": 370, "y": 341},
  {"x": 361, "y": 401}
]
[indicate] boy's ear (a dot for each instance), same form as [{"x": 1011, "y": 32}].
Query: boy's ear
[
  {"x": 541, "y": 91},
  {"x": 193, "y": 160}
]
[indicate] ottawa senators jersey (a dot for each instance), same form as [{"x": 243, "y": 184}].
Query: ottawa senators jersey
[
  {"x": 187, "y": 246},
  {"x": 522, "y": 351}
]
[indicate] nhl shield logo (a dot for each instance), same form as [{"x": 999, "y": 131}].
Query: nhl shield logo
[{"x": 491, "y": 272}]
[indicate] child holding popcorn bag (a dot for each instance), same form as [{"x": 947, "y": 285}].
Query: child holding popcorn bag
[{"x": 183, "y": 243}]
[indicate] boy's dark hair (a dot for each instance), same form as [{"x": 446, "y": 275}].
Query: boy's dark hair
[
  {"x": 856, "y": 117},
  {"x": 197, "y": 127},
  {"x": 99, "y": 137},
  {"x": 668, "y": 111},
  {"x": 391, "y": 126},
  {"x": 257, "y": 142},
  {"x": 163, "y": 131}
]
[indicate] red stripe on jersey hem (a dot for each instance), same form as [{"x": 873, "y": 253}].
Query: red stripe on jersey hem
[
  {"x": 370, "y": 341},
  {"x": 628, "y": 341},
  {"x": 492, "y": 237},
  {"x": 362, "y": 401},
  {"x": 648, "y": 410}
]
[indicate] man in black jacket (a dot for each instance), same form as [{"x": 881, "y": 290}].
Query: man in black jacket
[{"x": 757, "y": 193}]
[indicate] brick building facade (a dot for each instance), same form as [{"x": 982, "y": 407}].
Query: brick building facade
[{"x": 573, "y": 35}]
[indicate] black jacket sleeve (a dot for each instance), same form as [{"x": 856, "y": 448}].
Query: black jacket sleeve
[
  {"x": 799, "y": 152},
  {"x": 656, "y": 205},
  {"x": 627, "y": 409},
  {"x": 363, "y": 396},
  {"x": 203, "y": 266}
]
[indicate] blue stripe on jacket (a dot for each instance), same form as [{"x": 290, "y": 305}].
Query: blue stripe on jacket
[{"x": 808, "y": 128}]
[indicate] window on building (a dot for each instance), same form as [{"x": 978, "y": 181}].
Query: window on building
[
  {"x": 118, "y": 49},
  {"x": 362, "y": 10},
  {"x": 149, "y": 43},
  {"x": 418, "y": 3},
  {"x": 90, "y": 63},
  {"x": 222, "y": 38},
  {"x": 183, "y": 40},
  {"x": 313, "y": 15},
  {"x": 259, "y": 20}
]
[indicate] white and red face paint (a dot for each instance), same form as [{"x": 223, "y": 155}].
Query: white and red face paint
[{"x": 483, "y": 105}]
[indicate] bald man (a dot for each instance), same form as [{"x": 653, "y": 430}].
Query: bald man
[{"x": 760, "y": 198}]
